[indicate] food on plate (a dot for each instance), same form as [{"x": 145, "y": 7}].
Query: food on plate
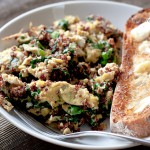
[
  {"x": 65, "y": 74},
  {"x": 130, "y": 112}
]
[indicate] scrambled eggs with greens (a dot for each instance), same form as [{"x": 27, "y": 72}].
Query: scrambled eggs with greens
[{"x": 64, "y": 74}]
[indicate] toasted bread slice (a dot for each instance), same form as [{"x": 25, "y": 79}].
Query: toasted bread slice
[{"x": 130, "y": 113}]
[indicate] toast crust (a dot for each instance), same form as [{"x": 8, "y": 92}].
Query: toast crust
[{"x": 123, "y": 120}]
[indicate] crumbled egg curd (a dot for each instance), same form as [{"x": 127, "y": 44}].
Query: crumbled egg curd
[{"x": 65, "y": 73}]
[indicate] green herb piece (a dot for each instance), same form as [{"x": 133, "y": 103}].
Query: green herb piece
[
  {"x": 66, "y": 72},
  {"x": 40, "y": 45},
  {"x": 55, "y": 34},
  {"x": 108, "y": 54},
  {"x": 56, "y": 69},
  {"x": 93, "y": 123},
  {"x": 103, "y": 62},
  {"x": 72, "y": 45},
  {"x": 38, "y": 91},
  {"x": 63, "y": 24},
  {"x": 73, "y": 119},
  {"x": 66, "y": 50},
  {"x": 41, "y": 52},
  {"x": 33, "y": 62},
  {"x": 89, "y": 40},
  {"x": 45, "y": 104},
  {"x": 101, "y": 45},
  {"x": 75, "y": 110},
  {"x": 42, "y": 105},
  {"x": 103, "y": 86},
  {"x": 20, "y": 75},
  {"x": 35, "y": 93},
  {"x": 30, "y": 96},
  {"x": 28, "y": 93},
  {"x": 54, "y": 47},
  {"x": 70, "y": 48},
  {"x": 35, "y": 102},
  {"x": 105, "y": 55},
  {"x": 49, "y": 57},
  {"x": 96, "y": 85},
  {"x": 28, "y": 89},
  {"x": 72, "y": 51}
]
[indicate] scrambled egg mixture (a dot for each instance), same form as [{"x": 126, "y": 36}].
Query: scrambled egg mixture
[{"x": 64, "y": 74}]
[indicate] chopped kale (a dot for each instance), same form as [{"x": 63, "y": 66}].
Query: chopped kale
[
  {"x": 101, "y": 45},
  {"x": 34, "y": 93},
  {"x": 74, "y": 119},
  {"x": 93, "y": 123},
  {"x": 70, "y": 48},
  {"x": 41, "y": 52},
  {"x": 106, "y": 56},
  {"x": 42, "y": 105},
  {"x": 66, "y": 50},
  {"x": 75, "y": 110},
  {"x": 40, "y": 45},
  {"x": 63, "y": 24},
  {"x": 66, "y": 72},
  {"x": 54, "y": 47},
  {"x": 55, "y": 34},
  {"x": 20, "y": 75},
  {"x": 89, "y": 40},
  {"x": 103, "y": 85},
  {"x": 33, "y": 62}
]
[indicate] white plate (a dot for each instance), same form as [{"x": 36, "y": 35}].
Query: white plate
[{"x": 117, "y": 13}]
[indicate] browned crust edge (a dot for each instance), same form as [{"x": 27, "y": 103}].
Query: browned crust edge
[{"x": 136, "y": 124}]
